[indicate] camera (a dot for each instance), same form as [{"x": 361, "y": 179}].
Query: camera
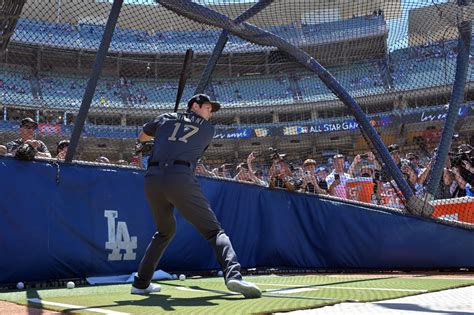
[
  {"x": 377, "y": 175},
  {"x": 337, "y": 176},
  {"x": 145, "y": 148},
  {"x": 275, "y": 154},
  {"x": 457, "y": 160},
  {"x": 364, "y": 156},
  {"x": 451, "y": 174}
]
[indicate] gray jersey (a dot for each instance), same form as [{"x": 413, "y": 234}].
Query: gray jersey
[{"x": 179, "y": 136}]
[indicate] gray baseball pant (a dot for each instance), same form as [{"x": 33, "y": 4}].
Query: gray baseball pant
[{"x": 177, "y": 186}]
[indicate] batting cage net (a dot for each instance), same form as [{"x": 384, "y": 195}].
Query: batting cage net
[{"x": 350, "y": 99}]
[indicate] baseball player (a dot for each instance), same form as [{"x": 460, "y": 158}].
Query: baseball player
[{"x": 179, "y": 141}]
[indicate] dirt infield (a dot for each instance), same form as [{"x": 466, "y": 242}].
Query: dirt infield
[{"x": 12, "y": 308}]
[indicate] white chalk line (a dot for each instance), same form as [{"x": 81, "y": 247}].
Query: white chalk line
[
  {"x": 205, "y": 290},
  {"x": 339, "y": 288},
  {"x": 290, "y": 291},
  {"x": 271, "y": 293},
  {"x": 76, "y": 307}
]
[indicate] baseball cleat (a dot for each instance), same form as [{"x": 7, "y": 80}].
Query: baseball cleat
[
  {"x": 151, "y": 288},
  {"x": 247, "y": 289}
]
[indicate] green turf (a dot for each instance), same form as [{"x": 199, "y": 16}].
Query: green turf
[{"x": 209, "y": 295}]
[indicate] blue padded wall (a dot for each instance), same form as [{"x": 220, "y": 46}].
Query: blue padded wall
[{"x": 54, "y": 225}]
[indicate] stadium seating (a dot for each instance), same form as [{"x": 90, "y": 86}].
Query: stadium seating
[
  {"x": 88, "y": 36},
  {"x": 409, "y": 68},
  {"x": 360, "y": 26}
]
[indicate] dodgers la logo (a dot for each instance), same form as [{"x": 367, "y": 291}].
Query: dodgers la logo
[{"x": 119, "y": 238}]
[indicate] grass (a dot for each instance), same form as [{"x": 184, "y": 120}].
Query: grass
[{"x": 210, "y": 296}]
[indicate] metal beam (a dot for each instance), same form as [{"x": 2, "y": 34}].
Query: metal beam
[
  {"x": 92, "y": 83},
  {"x": 222, "y": 41}
]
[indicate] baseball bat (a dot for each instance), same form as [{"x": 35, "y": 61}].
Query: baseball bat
[{"x": 183, "y": 77}]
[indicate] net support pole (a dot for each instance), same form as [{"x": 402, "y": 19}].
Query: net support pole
[
  {"x": 222, "y": 41},
  {"x": 457, "y": 96},
  {"x": 212, "y": 62},
  {"x": 257, "y": 35},
  {"x": 92, "y": 83}
]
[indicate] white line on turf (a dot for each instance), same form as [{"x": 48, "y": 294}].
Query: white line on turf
[
  {"x": 290, "y": 291},
  {"x": 188, "y": 289},
  {"x": 272, "y": 294},
  {"x": 374, "y": 289},
  {"x": 305, "y": 297},
  {"x": 441, "y": 278},
  {"x": 204, "y": 290},
  {"x": 340, "y": 288},
  {"x": 77, "y": 307}
]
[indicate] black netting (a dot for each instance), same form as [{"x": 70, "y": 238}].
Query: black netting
[{"x": 396, "y": 58}]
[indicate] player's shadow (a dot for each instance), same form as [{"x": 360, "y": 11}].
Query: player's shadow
[
  {"x": 33, "y": 308},
  {"x": 169, "y": 303}
]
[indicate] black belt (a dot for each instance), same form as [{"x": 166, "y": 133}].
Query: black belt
[{"x": 175, "y": 162}]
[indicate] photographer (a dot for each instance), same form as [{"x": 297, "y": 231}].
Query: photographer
[
  {"x": 280, "y": 172},
  {"x": 394, "y": 151},
  {"x": 415, "y": 160},
  {"x": 360, "y": 160},
  {"x": 223, "y": 170},
  {"x": 201, "y": 169},
  {"x": 446, "y": 182},
  {"x": 255, "y": 176},
  {"x": 337, "y": 179},
  {"x": 27, "y": 137},
  {"x": 408, "y": 170},
  {"x": 143, "y": 152},
  {"x": 243, "y": 173},
  {"x": 308, "y": 181},
  {"x": 463, "y": 170},
  {"x": 321, "y": 174}
]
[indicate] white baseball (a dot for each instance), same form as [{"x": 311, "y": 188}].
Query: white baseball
[
  {"x": 220, "y": 273},
  {"x": 70, "y": 285},
  {"x": 182, "y": 277},
  {"x": 20, "y": 285}
]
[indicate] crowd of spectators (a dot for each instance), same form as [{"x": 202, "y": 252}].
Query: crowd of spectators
[{"x": 361, "y": 178}]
